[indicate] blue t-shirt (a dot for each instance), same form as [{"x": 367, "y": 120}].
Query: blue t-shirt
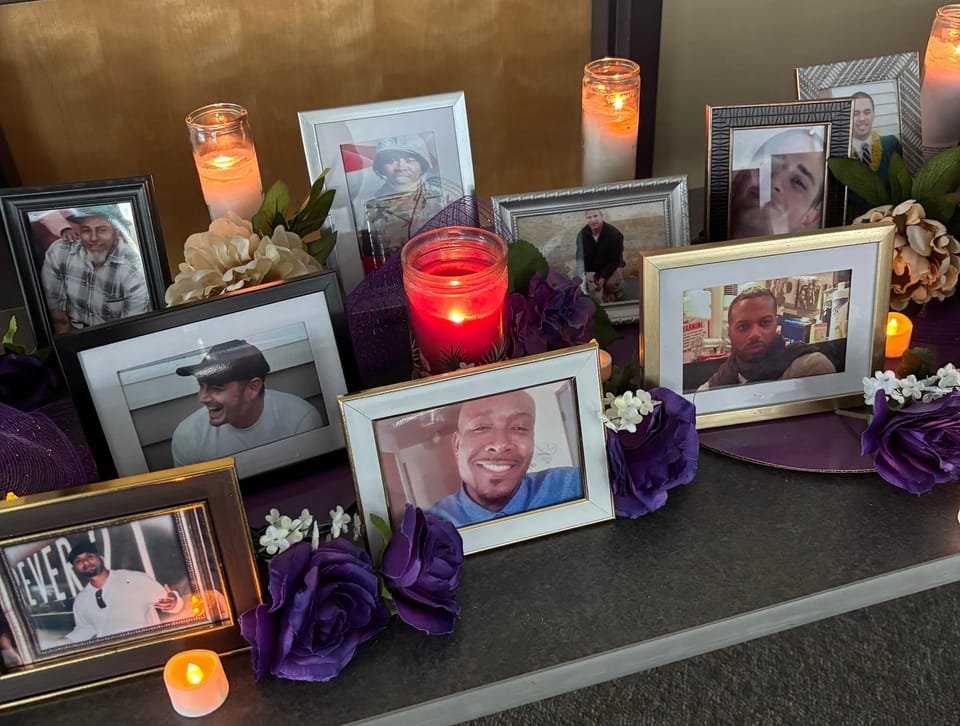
[{"x": 537, "y": 490}]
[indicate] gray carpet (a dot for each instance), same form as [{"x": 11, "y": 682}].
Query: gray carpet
[{"x": 894, "y": 663}]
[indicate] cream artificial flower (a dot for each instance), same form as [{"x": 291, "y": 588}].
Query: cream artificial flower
[{"x": 230, "y": 256}]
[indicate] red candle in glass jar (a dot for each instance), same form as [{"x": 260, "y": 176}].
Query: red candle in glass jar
[{"x": 456, "y": 284}]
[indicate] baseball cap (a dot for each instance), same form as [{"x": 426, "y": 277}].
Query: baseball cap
[
  {"x": 109, "y": 211},
  {"x": 235, "y": 360},
  {"x": 82, "y": 548}
]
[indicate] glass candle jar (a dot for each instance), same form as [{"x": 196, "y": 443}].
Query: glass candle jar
[
  {"x": 226, "y": 159},
  {"x": 610, "y": 101},
  {"x": 940, "y": 87},
  {"x": 455, "y": 279}
]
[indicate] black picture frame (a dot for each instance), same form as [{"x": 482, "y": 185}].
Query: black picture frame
[
  {"x": 109, "y": 414},
  {"x": 723, "y": 121},
  {"x": 17, "y": 203}
]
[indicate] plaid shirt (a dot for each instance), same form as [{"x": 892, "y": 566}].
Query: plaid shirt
[{"x": 92, "y": 295}]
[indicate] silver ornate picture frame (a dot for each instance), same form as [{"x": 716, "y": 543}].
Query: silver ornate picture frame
[
  {"x": 645, "y": 215},
  {"x": 893, "y": 84}
]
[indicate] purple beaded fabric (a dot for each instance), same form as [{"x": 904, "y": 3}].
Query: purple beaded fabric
[
  {"x": 377, "y": 307},
  {"x": 37, "y": 456}
]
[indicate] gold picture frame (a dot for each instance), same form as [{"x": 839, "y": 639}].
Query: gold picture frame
[
  {"x": 687, "y": 294},
  {"x": 408, "y": 443},
  {"x": 177, "y": 539}
]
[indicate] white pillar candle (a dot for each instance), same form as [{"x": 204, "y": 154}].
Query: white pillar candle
[
  {"x": 611, "y": 119},
  {"x": 940, "y": 88},
  {"x": 196, "y": 682}
]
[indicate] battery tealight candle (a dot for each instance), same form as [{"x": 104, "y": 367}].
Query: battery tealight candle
[
  {"x": 226, "y": 160},
  {"x": 196, "y": 682},
  {"x": 899, "y": 330},
  {"x": 455, "y": 279},
  {"x": 940, "y": 88},
  {"x": 610, "y": 102}
]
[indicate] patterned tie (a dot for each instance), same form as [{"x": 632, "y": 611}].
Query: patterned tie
[{"x": 865, "y": 153}]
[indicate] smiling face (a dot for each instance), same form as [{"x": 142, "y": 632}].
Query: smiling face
[
  {"x": 88, "y": 564},
  {"x": 862, "y": 117},
  {"x": 494, "y": 446},
  {"x": 595, "y": 220},
  {"x": 753, "y": 327},
  {"x": 237, "y": 403},
  {"x": 99, "y": 237}
]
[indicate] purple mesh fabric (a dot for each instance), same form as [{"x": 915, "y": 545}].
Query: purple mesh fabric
[
  {"x": 37, "y": 456},
  {"x": 377, "y": 307}
]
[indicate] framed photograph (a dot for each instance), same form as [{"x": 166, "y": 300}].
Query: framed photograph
[
  {"x": 767, "y": 168},
  {"x": 597, "y": 233},
  {"x": 394, "y": 164},
  {"x": 506, "y": 452},
  {"x": 253, "y": 375},
  {"x": 108, "y": 580},
  {"x": 86, "y": 253},
  {"x": 769, "y": 328},
  {"x": 886, "y": 104}
]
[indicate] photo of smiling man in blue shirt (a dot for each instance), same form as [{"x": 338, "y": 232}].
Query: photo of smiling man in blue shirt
[{"x": 494, "y": 445}]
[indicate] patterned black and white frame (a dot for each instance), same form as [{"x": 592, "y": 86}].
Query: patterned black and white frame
[{"x": 722, "y": 121}]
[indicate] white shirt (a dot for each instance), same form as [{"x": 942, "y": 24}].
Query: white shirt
[
  {"x": 129, "y": 596},
  {"x": 284, "y": 415}
]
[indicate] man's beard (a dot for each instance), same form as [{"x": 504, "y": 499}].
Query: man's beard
[{"x": 98, "y": 258}]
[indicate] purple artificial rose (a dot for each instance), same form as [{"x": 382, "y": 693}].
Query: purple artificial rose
[
  {"x": 421, "y": 569},
  {"x": 918, "y": 446},
  {"x": 325, "y": 604},
  {"x": 555, "y": 314},
  {"x": 660, "y": 455},
  {"x": 25, "y": 382}
]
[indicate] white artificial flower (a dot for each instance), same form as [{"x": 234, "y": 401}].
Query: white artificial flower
[
  {"x": 273, "y": 517},
  {"x": 948, "y": 377},
  {"x": 306, "y": 520},
  {"x": 339, "y": 522},
  {"x": 624, "y": 412},
  {"x": 278, "y": 539},
  {"x": 911, "y": 387},
  {"x": 882, "y": 380},
  {"x": 315, "y": 537}
]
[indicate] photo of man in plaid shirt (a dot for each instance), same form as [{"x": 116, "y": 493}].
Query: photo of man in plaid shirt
[{"x": 96, "y": 278}]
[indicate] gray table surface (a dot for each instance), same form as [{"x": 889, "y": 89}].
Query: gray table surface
[{"x": 743, "y": 551}]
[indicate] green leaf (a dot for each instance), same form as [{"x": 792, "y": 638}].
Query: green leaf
[
  {"x": 382, "y": 527},
  {"x": 917, "y": 361},
  {"x": 320, "y": 249},
  {"x": 939, "y": 175},
  {"x": 388, "y": 597},
  {"x": 313, "y": 215},
  {"x": 622, "y": 379},
  {"x": 603, "y": 329},
  {"x": 523, "y": 260},
  {"x": 939, "y": 207},
  {"x": 859, "y": 178},
  {"x": 901, "y": 185},
  {"x": 11, "y": 331},
  {"x": 275, "y": 204}
]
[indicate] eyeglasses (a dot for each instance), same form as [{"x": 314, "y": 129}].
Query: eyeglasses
[{"x": 100, "y": 603}]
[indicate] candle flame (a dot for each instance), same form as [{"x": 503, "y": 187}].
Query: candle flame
[
  {"x": 956, "y": 49},
  {"x": 194, "y": 674},
  {"x": 196, "y": 605},
  {"x": 618, "y": 102},
  {"x": 892, "y": 326},
  {"x": 223, "y": 162},
  {"x": 456, "y": 316}
]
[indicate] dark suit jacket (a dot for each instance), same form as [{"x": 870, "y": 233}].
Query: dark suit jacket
[{"x": 603, "y": 255}]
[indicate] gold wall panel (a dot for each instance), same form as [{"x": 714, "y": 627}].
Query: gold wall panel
[{"x": 95, "y": 89}]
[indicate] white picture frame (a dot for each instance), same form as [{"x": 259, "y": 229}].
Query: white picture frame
[
  {"x": 125, "y": 381},
  {"x": 344, "y": 141},
  {"x": 863, "y": 253},
  {"x": 374, "y": 421}
]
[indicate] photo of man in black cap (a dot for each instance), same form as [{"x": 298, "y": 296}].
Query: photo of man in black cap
[
  {"x": 115, "y": 601},
  {"x": 98, "y": 277},
  {"x": 238, "y": 411}
]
